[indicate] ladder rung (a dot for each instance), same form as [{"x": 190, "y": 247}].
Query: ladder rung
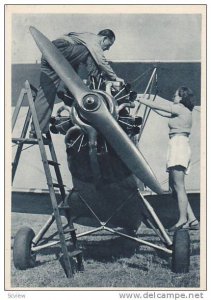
[
  {"x": 75, "y": 253},
  {"x": 53, "y": 163},
  {"x": 29, "y": 141},
  {"x": 70, "y": 230},
  {"x": 64, "y": 207},
  {"x": 58, "y": 185}
]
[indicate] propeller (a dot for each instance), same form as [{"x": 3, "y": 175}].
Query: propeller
[{"x": 94, "y": 110}]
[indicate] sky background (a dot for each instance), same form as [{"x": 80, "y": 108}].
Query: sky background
[{"x": 153, "y": 37}]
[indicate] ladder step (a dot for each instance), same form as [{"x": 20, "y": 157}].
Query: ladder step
[
  {"x": 58, "y": 185},
  {"x": 53, "y": 163},
  {"x": 75, "y": 253},
  {"x": 70, "y": 230},
  {"x": 63, "y": 208},
  {"x": 29, "y": 141}
]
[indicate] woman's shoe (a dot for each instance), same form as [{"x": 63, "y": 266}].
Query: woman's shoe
[
  {"x": 193, "y": 225},
  {"x": 175, "y": 228}
]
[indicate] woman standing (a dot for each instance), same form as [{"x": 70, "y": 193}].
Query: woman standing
[{"x": 179, "y": 153}]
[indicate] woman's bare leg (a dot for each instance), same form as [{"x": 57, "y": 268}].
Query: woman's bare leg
[
  {"x": 177, "y": 184},
  {"x": 190, "y": 214},
  {"x": 178, "y": 181}
]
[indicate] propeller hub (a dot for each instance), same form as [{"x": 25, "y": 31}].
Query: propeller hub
[{"x": 91, "y": 102}]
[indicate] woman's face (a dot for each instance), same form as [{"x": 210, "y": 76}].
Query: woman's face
[{"x": 176, "y": 97}]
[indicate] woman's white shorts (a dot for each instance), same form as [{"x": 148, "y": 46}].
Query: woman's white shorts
[{"x": 179, "y": 152}]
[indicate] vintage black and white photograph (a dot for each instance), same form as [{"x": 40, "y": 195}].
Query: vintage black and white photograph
[{"x": 106, "y": 162}]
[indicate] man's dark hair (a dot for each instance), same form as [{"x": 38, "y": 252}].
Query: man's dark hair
[
  {"x": 187, "y": 97},
  {"x": 108, "y": 33}
]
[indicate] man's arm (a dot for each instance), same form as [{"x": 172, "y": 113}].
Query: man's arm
[
  {"x": 102, "y": 62},
  {"x": 105, "y": 67},
  {"x": 92, "y": 67},
  {"x": 94, "y": 70}
]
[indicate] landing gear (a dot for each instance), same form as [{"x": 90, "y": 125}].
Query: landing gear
[
  {"x": 181, "y": 251},
  {"x": 22, "y": 255}
]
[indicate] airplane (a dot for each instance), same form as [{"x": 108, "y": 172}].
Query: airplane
[{"x": 107, "y": 167}]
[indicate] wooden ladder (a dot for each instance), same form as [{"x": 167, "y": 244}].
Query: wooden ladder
[{"x": 42, "y": 141}]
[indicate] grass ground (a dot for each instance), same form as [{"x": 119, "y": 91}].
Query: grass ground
[{"x": 109, "y": 263}]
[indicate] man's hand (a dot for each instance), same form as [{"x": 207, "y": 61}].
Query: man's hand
[{"x": 120, "y": 80}]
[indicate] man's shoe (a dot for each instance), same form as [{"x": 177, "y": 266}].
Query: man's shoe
[{"x": 32, "y": 135}]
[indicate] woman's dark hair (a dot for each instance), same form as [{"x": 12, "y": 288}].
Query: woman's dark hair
[
  {"x": 108, "y": 33},
  {"x": 187, "y": 97}
]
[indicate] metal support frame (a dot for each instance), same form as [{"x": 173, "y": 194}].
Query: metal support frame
[
  {"x": 148, "y": 85},
  {"x": 105, "y": 228},
  {"x": 162, "y": 234},
  {"x": 147, "y": 109},
  {"x": 160, "y": 230}
]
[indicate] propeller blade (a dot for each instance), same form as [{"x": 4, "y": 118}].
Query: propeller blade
[
  {"x": 103, "y": 121},
  {"x": 61, "y": 66},
  {"x": 93, "y": 108}
]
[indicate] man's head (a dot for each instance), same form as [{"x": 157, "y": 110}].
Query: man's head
[{"x": 107, "y": 38}]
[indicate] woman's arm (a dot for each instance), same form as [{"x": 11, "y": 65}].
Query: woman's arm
[
  {"x": 166, "y": 107},
  {"x": 163, "y": 114}
]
